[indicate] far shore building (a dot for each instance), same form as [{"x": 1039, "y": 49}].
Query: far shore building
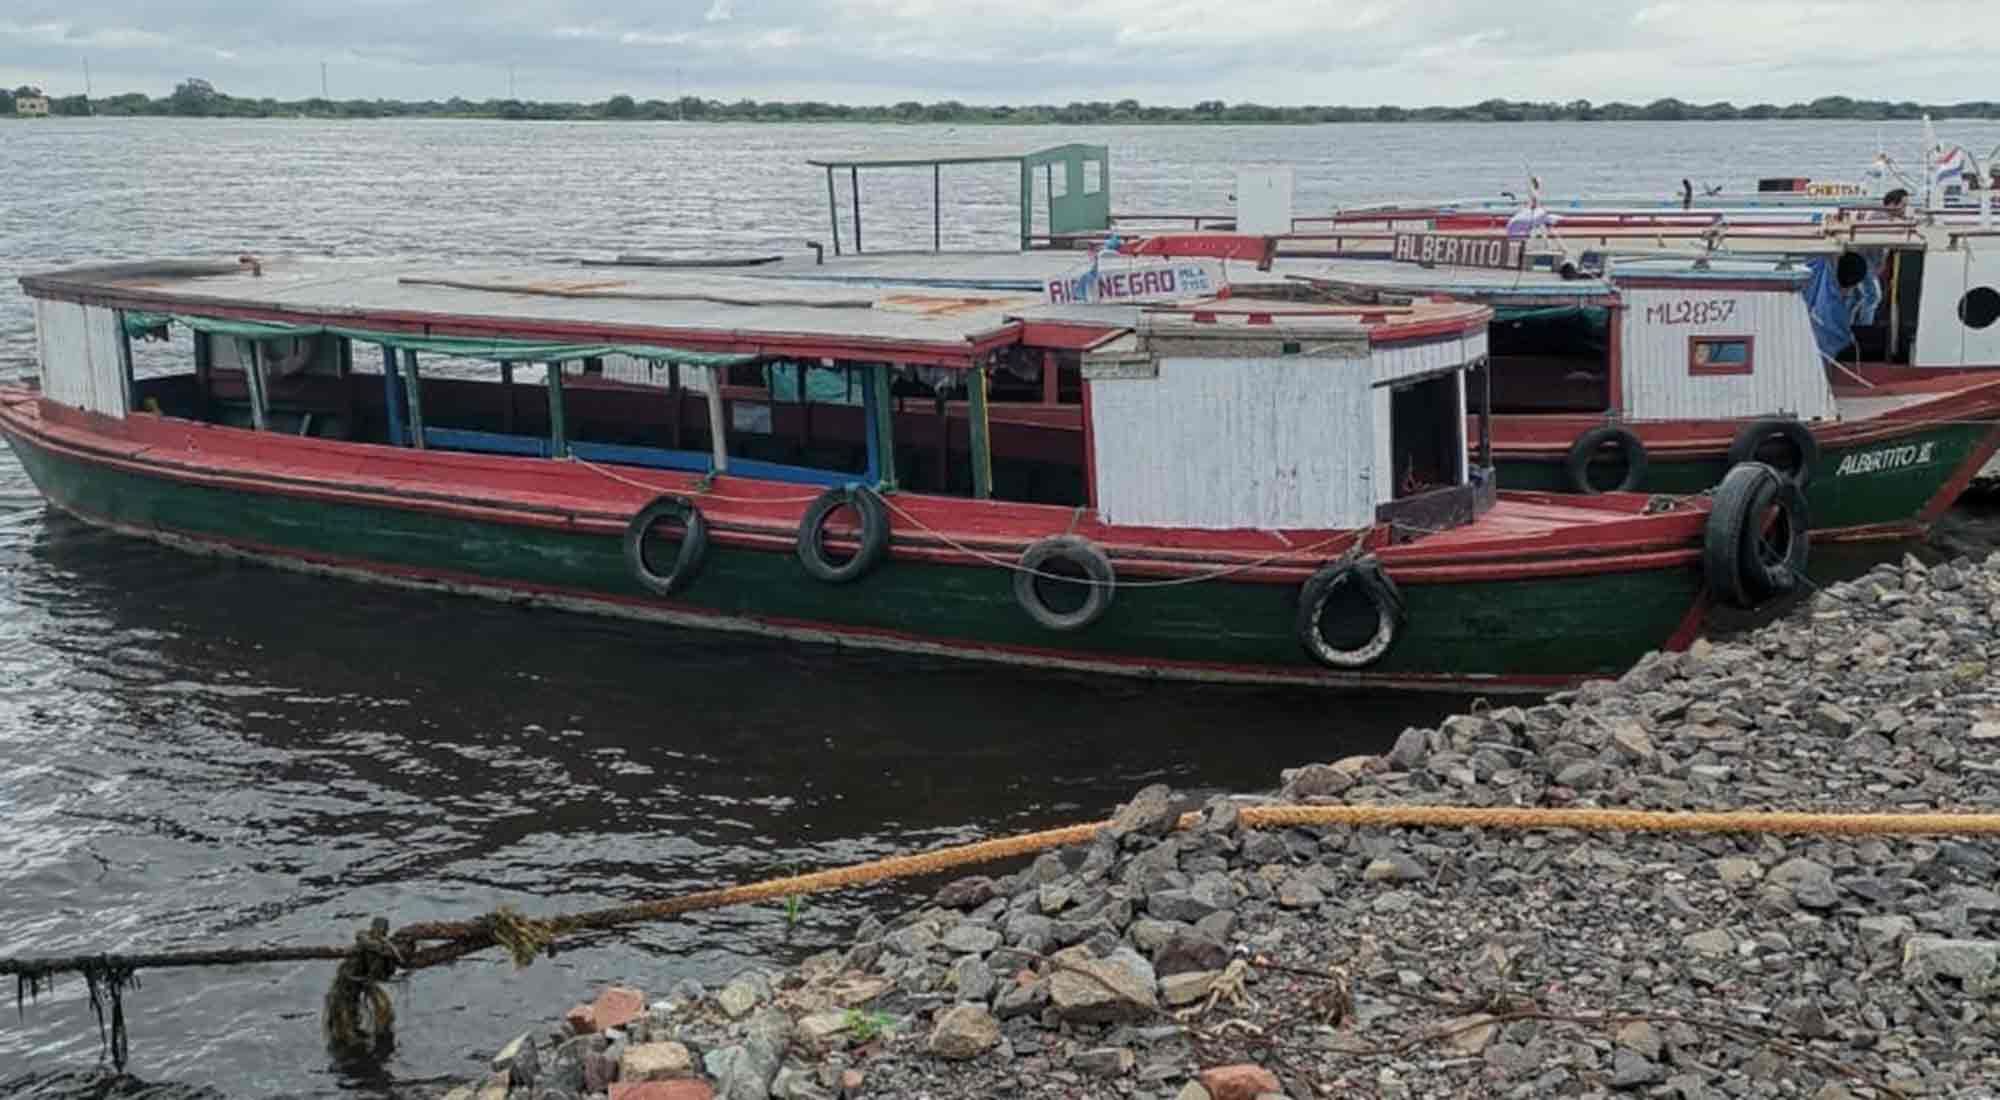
[{"x": 36, "y": 105}]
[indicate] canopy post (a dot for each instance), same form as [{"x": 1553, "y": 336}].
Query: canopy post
[
  {"x": 674, "y": 396},
  {"x": 204, "y": 376},
  {"x": 253, "y": 377},
  {"x": 507, "y": 394},
  {"x": 880, "y": 425},
  {"x": 392, "y": 396},
  {"x": 833, "y": 209},
  {"x": 125, "y": 371},
  {"x": 718, "y": 442},
  {"x": 558, "y": 422},
  {"x": 937, "y": 209},
  {"x": 1486, "y": 414},
  {"x": 1027, "y": 203},
  {"x": 982, "y": 453},
  {"x": 413, "y": 386},
  {"x": 854, "y": 188}
]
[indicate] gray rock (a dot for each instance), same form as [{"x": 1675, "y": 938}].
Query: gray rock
[
  {"x": 1150, "y": 935},
  {"x": 1190, "y": 950},
  {"x": 1810, "y": 883},
  {"x": 1104, "y": 1061},
  {"x": 1087, "y": 990},
  {"x": 915, "y": 940},
  {"x": 970, "y": 939},
  {"x": 1829, "y": 720},
  {"x": 972, "y": 978},
  {"x": 1970, "y": 961},
  {"x": 1715, "y": 943},
  {"x": 1629, "y": 1070},
  {"x": 797, "y": 1084},
  {"x": 963, "y": 1031},
  {"x": 1300, "y": 891},
  {"x": 1641, "y": 1038},
  {"x": 1412, "y": 746},
  {"x": 1582, "y": 775},
  {"x": 520, "y": 1060},
  {"x": 1631, "y": 740},
  {"x": 1031, "y": 931},
  {"x": 970, "y": 892},
  {"x": 1150, "y": 813},
  {"x": 1187, "y": 988},
  {"x": 1735, "y": 870},
  {"x": 1315, "y": 781},
  {"x": 1396, "y": 867},
  {"x": 1885, "y": 932},
  {"x": 1016, "y": 999},
  {"x": 564, "y": 1067}
]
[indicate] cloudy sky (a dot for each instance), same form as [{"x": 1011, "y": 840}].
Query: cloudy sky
[{"x": 985, "y": 51}]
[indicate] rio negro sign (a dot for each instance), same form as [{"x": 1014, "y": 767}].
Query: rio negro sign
[{"x": 1151, "y": 282}]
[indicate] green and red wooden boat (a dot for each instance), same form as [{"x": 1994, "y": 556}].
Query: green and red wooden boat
[{"x": 1250, "y": 498}]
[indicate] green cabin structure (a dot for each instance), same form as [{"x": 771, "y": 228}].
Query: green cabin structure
[{"x": 1076, "y": 187}]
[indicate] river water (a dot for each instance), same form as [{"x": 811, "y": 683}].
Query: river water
[{"x": 194, "y": 752}]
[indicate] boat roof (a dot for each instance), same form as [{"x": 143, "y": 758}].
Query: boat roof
[
  {"x": 695, "y": 310},
  {"x": 954, "y": 154},
  {"x": 1012, "y": 270},
  {"x": 1540, "y": 286}
]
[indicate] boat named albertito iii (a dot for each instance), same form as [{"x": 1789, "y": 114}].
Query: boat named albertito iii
[{"x": 1277, "y": 493}]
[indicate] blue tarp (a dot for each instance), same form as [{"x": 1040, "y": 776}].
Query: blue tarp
[{"x": 1832, "y": 316}]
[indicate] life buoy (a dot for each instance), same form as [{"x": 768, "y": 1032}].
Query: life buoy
[
  {"x": 1363, "y": 575},
  {"x": 693, "y": 550},
  {"x": 1754, "y": 443},
  {"x": 1066, "y": 564},
  {"x": 1591, "y": 443},
  {"x": 1756, "y": 541},
  {"x": 874, "y": 534}
]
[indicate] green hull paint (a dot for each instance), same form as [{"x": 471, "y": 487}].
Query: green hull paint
[
  {"x": 1859, "y": 497},
  {"x": 1558, "y": 627}
]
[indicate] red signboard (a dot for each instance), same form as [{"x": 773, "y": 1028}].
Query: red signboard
[
  {"x": 1209, "y": 246},
  {"x": 1434, "y": 250}
]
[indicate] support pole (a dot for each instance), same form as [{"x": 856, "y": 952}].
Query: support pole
[
  {"x": 833, "y": 209},
  {"x": 1486, "y": 414},
  {"x": 392, "y": 396},
  {"x": 507, "y": 393},
  {"x": 881, "y": 425},
  {"x": 718, "y": 442},
  {"x": 253, "y": 374},
  {"x": 204, "y": 376},
  {"x": 413, "y": 387},
  {"x": 854, "y": 188},
  {"x": 558, "y": 421},
  {"x": 937, "y": 209},
  {"x": 674, "y": 387},
  {"x": 125, "y": 371},
  {"x": 982, "y": 451}
]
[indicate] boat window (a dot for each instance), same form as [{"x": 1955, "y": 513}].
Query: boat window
[
  {"x": 1719, "y": 355},
  {"x": 807, "y": 413},
  {"x": 1093, "y": 176},
  {"x": 1980, "y": 307},
  {"x": 1058, "y": 182},
  {"x": 1426, "y": 434},
  {"x": 1553, "y": 359},
  {"x": 163, "y": 373}
]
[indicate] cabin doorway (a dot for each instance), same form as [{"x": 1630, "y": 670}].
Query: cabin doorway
[
  {"x": 1551, "y": 360},
  {"x": 1427, "y": 434}
]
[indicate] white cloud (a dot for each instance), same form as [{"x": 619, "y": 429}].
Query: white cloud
[{"x": 721, "y": 11}]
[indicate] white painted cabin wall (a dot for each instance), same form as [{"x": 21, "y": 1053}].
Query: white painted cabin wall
[
  {"x": 1942, "y": 339},
  {"x": 81, "y": 351},
  {"x": 1237, "y": 443},
  {"x": 1788, "y": 376}
]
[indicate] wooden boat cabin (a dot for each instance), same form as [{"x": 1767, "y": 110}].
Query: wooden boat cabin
[{"x": 1281, "y": 492}]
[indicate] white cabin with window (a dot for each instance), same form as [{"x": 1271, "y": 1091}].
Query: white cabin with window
[
  {"x": 1717, "y": 341},
  {"x": 1289, "y": 417}
]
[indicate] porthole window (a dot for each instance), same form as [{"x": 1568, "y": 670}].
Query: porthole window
[{"x": 1980, "y": 307}]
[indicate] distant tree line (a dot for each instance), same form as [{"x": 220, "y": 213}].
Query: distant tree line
[{"x": 195, "y": 97}]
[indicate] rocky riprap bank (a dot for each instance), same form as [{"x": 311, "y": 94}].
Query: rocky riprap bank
[{"x": 1229, "y": 963}]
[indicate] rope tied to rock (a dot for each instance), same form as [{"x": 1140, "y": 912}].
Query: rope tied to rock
[{"x": 359, "y": 1014}]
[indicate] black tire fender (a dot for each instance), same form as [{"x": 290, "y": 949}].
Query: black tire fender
[
  {"x": 1366, "y": 575},
  {"x": 1586, "y": 447},
  {"x": 693, "y": 551},
  {"x": 874, "y": 534},
  {"x": 1084, "y": 555},
  {"x": 1756, "y": 541},
  {"x": 1796, "y": 435}
]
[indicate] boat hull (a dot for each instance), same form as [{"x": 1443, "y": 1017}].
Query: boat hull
[
  {"x": 1493, "y": 628},
  {"x": 1888, "y": 483}
]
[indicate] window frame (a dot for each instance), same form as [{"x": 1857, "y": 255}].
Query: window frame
[{"x": 1697, "y": 369}]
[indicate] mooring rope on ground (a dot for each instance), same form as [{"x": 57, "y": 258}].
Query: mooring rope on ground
[{"x": 357, "y": 1011}]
